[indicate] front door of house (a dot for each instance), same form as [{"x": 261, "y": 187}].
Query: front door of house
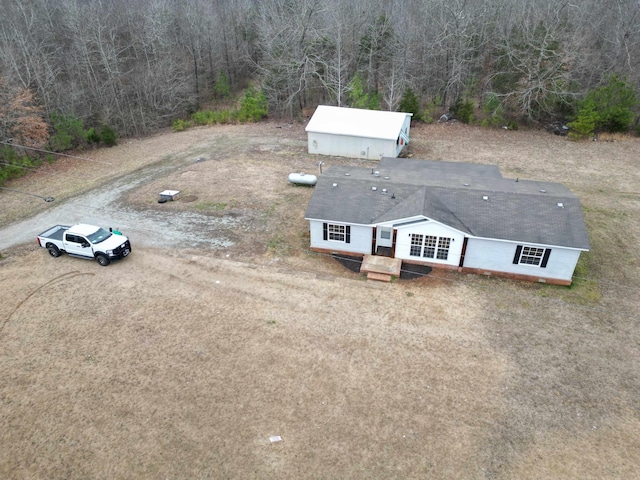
[{"x": 385, "y": 237}]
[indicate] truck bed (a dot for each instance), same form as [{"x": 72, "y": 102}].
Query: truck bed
[{"x": 55, "y": 233}]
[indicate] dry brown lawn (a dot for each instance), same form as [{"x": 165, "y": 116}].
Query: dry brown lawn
[{"x": 181, "y": 362}]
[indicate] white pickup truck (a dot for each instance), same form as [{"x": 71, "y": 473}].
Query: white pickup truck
[{"x": 85, "y": 241}]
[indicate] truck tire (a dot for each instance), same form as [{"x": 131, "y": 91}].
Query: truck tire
[
  {"x": 102, "y": 259},
  {"x": 53, "y": 250}
]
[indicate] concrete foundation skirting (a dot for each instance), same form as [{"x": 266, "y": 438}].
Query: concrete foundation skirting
[
  {"x": 516, "y": 276},
  {"x": 475, "y": 271}
]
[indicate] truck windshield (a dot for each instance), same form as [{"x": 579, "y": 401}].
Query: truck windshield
[{"x": 99, "y": 235}]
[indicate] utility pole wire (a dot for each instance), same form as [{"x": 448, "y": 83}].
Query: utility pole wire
[
  {"x": 18, "y": 166},
  {"x": 46, "y": 199},
  {"x": 55, "y": 153}
]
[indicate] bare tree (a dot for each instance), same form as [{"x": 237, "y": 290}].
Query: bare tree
[
  {"x": 138, "y": 64},
  {"x": 28, "y": 52},
  {"x": 291, "y": 52},
  {"x": 21, "y": 118},
  {"x": 533, "y": 72}
]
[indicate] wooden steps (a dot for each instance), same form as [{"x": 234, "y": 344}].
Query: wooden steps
[
  {"x": 381, "y": 277},
  {"x": 380, "y": 268}
]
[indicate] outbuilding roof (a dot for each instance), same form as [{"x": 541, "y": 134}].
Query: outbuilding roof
[
  {"x": 474, "y": 199},
  {"x": 356, "y": 122}
]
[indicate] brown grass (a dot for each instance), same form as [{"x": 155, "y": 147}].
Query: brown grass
[{"x": 182, "y": 363}]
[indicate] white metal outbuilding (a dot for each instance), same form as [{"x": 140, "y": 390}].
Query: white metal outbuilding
[{"x": 357, "y": 133}]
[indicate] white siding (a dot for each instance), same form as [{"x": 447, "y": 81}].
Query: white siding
[
  {"x": 405, "y": 128},
  {"x": 497, "y": 256},
  {"x": 352, "y": 147},
  {"x": 361, "y": 238},
  {"x": 403, "y": 242}
]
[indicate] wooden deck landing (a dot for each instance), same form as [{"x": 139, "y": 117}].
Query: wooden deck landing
[{"x": 380, "y": 268}]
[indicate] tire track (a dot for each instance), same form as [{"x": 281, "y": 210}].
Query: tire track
[{"x": 58, "y": 279}]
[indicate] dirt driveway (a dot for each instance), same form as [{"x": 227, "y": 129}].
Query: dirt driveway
[{"x": 221, "y": 330}]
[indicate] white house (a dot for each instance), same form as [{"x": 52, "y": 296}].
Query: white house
[
  {"x": 449, "y": 215},
  {"x": 356, "y": 133}
]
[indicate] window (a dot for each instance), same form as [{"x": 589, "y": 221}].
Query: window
[
  {"x": 99, "y": 235},
  {"x": 430, "y": 243},
  {"x": 535, "y": 256},
  {"x": 74, "y": 238},
  {"x": 385, "y": 233},
  {"x": 443, "y": 248},
  {"x": 429, "y": 246},
  {"x": 336, "y": 233},
  {"x": 416, "y": 245},
  {"x": 531, "y": 255}
]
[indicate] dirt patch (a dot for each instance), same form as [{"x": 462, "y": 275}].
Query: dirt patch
[
  {"x": 411, "y": 271},
  {"x": 348, "y": 262},
  {"x": 183, "y": 359}
]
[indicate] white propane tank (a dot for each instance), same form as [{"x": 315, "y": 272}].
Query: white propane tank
[{"x": 303, "y": 178}]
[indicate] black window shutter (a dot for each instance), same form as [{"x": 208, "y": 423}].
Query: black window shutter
[
  {"x": 545, "y": 258},
  {"x": 348, "y": 233},
  {"x": 516, "y": 259},
  {"x": 324, "y": 231}
]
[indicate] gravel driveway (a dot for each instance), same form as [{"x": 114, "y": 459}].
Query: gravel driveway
[{"x": 105, "y": 207}]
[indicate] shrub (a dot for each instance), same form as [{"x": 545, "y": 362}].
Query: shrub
[
  {"x": 180, "y": 125},
  {"x": 223, "y": 116},
  {"x": 221, "y": 89},
  {"x": 493, "y": 112},
  {"x": 92, "y": 137},
  {"x": 608, "y": 108},
  {"x": 210, "y": 117},
  {"x": 68, "y": 132},
  {"x": 108, "y": 136},
  {"x": 13, "y": 165},
  {"x": 433, "y": 111},
  {"x": 585, "y": 123},
  {"x": 358, "y": 98},
  {"x": 463, "y": 110},
  {"x": 253, "y": 106},
  {"x": 614, "y": 103},
  {"x": 201, "y": 117},
  {"x": 410, "y": 103}
]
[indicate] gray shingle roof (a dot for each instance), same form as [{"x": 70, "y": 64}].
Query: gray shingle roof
[{"x": 453, "y": 194}]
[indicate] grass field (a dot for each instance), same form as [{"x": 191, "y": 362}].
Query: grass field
[{"x": 183, "y": 362}]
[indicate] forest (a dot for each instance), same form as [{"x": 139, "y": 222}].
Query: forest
[{"x": 80, "y": 72}]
